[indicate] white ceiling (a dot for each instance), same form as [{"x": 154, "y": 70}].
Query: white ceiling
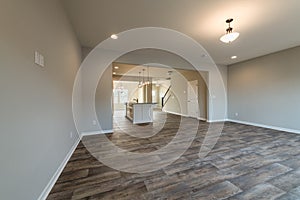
[{"x": 265, "y": 26}]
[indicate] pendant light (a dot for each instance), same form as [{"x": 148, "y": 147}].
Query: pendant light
[
  {"x": 143, "y": 77},
  {"x": 229, "y": 36},
  {"x": 148, "y": 76},
  {"x": 140, "y": 82}
]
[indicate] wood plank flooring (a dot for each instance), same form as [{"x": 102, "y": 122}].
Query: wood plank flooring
[{"x": 246, "y": 163}]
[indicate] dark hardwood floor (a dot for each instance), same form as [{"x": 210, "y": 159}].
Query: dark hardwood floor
[{"x": 246, "y": 163}]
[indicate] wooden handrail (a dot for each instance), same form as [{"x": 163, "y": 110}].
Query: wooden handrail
[
  {"x": 163, "y": 102},
  {"x": 167, "y": 92}
]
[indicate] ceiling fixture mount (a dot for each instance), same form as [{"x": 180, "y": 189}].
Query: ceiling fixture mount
[{"x": 229, "y": 36}]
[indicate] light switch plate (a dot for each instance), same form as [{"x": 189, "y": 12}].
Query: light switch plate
[
  {"x": 39, "y": 59},
  {"x": 42, "y": 61},
  {"x": 36, "y": 57}
]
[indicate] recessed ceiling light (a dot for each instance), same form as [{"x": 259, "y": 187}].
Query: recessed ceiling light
[
  {"x": 114, "y": 36},
  {"x": 233, "y": 57},
  {"x": 116, "y": 67},
  {"x": 114, "y": 73}
]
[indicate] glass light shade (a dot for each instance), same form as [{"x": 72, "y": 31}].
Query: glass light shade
[
  {"x": 114, "y": 36},
  {"x": 229, "y": 37}
]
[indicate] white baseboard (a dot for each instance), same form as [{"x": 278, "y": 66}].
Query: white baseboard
[
  {"x": 56, "y": 175},
  {"x": 217, "y": 120},
  {"x": 95, "y": 133},
  {"x": 183, "y": 115},
  {"x": 265, "y": 126},
  {"x": 202, "y": 119},
  {"x": 175, "y": 113}
]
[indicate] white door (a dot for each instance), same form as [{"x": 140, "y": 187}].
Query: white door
[{"x": 192, "y": 97}]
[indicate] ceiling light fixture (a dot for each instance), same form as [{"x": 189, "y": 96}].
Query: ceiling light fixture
[
  {"x": 116, "y": 67},
  {"x": 233, "y": 57},
  {"x": 229, "y": 36},
  {"x": 114, "y": 73},
  {"x": 114, "y": 36}
]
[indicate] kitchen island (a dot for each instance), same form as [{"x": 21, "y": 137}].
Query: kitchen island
[{"x": 140, "y": 113}]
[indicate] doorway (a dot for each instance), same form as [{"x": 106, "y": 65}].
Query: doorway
[{"x": 192, "y": 99}]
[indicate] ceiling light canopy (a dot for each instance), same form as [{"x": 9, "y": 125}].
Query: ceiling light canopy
[{"x": 229, "y": 36}]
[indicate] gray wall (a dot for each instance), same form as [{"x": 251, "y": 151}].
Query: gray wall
[
  {"x": 36, "y": 103},
  {"x": 265, "y": 90},
  {"x": 223, "y": 69},
  {"x": 103, "y": 100}
]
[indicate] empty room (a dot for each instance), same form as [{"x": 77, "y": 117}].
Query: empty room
[{"x": 140, "y": 99}]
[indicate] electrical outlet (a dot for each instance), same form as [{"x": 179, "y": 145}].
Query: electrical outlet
[
  {"x": 236, "y": 114},
  {"x": 71, "y": 134}
]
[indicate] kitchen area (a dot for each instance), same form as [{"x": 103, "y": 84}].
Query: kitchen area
[
  {"x": 140, "y": 112},
  {"x": 135, "y": 96}
]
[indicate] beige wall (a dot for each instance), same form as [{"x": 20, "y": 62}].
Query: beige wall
[
  {"x": 179, "y": 83},
  {"x": 36, "y": 103},
  {"x": 265, "y": 90},
  {"x": 132, "y": 88},
  {"x": 201, "y": 77},
  {"x": 177, "y": 103}
]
